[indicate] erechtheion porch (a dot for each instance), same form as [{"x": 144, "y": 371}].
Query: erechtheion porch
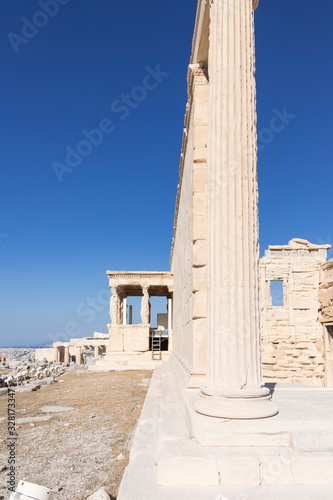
[{"x": 137, "y": 345}]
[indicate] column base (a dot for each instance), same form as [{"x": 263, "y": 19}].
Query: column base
[{"x": 246, "y": 407}]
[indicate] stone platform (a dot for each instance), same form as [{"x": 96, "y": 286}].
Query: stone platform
[
  {"x": 123, "y": 361},
  {"x": 287, "y": 457}
]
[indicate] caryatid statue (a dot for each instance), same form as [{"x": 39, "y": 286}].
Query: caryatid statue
[
  {"x": 145, "y": 315},
  {"x": 114, "y": 306}
]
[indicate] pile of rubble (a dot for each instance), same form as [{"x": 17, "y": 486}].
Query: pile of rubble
[
  {"x": 26, "y": 374},
  {"x": 31, "y": 377}
]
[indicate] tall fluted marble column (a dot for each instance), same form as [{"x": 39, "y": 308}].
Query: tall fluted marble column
[{"x": 234, "y": 387}]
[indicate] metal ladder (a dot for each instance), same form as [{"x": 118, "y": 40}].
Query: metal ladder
[{"x": 156, "y": 343}]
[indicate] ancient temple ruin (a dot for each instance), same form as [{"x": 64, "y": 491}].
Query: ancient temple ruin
[
  {"x": 217, "y": 288},
  {"x": 296, "y": 317},
  {"x": 135, "y": 346},
  {"x": 210, "y": 426}
]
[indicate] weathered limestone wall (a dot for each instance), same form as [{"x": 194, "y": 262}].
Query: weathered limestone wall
[
  {"x": 292, "y": 335},
  {"x": 326, "y": 292},
  {"x": 129, "y": 338},
  {"x": 47, "y": 353},
  {"x": 188, "y": 257},
  {"x": 326, "y": 305}
]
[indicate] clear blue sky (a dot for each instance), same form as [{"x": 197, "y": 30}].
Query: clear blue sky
[{"x": 115, "y": 209}]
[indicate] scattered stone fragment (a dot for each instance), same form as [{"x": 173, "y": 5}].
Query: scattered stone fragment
[
  {"x": 56, "y": 409},
  {"x": 101, "y": 494},
  {"x": 47, "y": 381},
  {"x": 121, "y": 457},
  {"x": 31, "y": 420}
]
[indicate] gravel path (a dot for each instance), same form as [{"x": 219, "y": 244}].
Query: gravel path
[{"x": 84, "y": 444}]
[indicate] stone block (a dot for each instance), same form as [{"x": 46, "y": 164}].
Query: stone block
[
  {"x": 313, "y": 469},
  {"x": 199, "y": 227},
  {"x": 302, "y": 301},
  {"x": 199, "y": 253},
  {"x": 199, "y": 179},
  {"x": 100, "y": 494},
  {"x": 136, "y": 338},
  {"x": 202, "y": 96},
  {"x": 199, "y": 204},
  {"x": 116, "y": 343},
  {"x": 187, "y": 471},
  {"x": 199, "y": 305},
  {"x": 240, "y": 470},
  {"x": 276, "y": 469},
  {"x": 199, "y": 279},
  {"x": 199, "y": 345},
  {"x": 200, "y": 139},
  {"x": 312, "y": 441},
  {"x": 200, "y": 115}
]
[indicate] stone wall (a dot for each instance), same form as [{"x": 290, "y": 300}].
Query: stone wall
[
  {"x": 188, "y": 256},
  {"x": 129, "y": 338},
  {"x": 326, "y": 310},
  {"x": 326, "y": 292},
  {"x": 292, "y": 336},
  {"x": 47, "y": 353}
]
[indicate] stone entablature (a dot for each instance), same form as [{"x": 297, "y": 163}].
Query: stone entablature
[
  {"x": 140, "y": 278},
  {"x": 292, "y": 337}
]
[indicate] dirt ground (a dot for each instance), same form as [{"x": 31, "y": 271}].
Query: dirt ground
[{"x": 77, "y": 451}]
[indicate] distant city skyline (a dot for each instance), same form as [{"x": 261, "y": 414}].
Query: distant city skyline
[{"x": 93, "y": 102}]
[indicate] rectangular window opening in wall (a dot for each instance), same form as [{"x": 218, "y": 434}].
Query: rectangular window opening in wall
[
  {"x": 330, "y": 340},
  {"x": 277, "y": 293}
]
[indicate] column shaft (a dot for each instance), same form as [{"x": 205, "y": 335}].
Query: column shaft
[
  {"x": 79, "y": 359},
  {"x": 114, "y": 306},
  {"x": 234, "y": 377},
  {"x": 125, "y": 311},
  {"x": 145, "y": 309},
  {"x": 67, "y": 357}
]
